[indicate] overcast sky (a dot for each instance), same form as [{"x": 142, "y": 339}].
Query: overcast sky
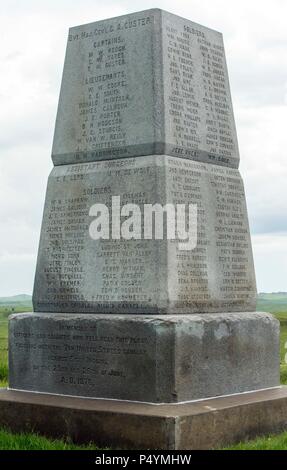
[{"x": 33, "y": 37}]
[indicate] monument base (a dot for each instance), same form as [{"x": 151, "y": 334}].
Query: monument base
[
  {"x": 203, "y": 424},
  {"x": 145, "y": 358}
]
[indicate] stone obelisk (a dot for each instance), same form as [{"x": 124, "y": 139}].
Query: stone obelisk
[{"x": 145, "y": 117}]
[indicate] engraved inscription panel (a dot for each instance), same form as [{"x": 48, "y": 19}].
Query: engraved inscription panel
[
  {"x": 82, "y": 356},
  {"x": 106, "y": 106},
  {"x": 219, "y": 272},
  {"x": 76, "y": 273},
  {"x": 141, "y": 84},
  {"x": 199, "y": 122}
]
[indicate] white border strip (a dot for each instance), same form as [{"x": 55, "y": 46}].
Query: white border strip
[{"x": 144, "y": 402}]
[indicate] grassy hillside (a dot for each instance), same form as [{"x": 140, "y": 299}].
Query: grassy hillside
[
  {"x": 15, "y": 304},
  {"x": 3, "y": 350},
  {"x": 16, "y": 299},
  {"x": 273, "y": 303}
]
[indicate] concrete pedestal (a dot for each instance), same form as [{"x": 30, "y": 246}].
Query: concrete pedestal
[{"x": 204, "y": 424}]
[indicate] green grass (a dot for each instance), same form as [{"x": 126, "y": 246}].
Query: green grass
[
  {"x": 273, "y": 303},
  {"x": 6, "y": 310},
  {"x": 30, "y": 441},
  {"x": 282, "y": 317},
  {"x": 3, "y": 372},
  {"x": 3, "y": 350},
  {"x": 273, "y": 442}
]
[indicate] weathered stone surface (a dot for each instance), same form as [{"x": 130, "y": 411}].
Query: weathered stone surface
[
  {"x": 146, "y": 83},
  {"x": 76, "y": 273},
  {"x": 158, "y": 359}
]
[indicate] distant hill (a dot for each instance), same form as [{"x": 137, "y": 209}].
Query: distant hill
[
  {"x": 16, "y": 298},
  {"x": 15, "y": 303},
  {"x": 273, "y": 302}
]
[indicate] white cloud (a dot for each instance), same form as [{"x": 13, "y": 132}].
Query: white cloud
[{"x": 33, "y": 39}]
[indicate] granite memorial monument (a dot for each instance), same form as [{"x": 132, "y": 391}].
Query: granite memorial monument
[{"x": 144, "y": 118}]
